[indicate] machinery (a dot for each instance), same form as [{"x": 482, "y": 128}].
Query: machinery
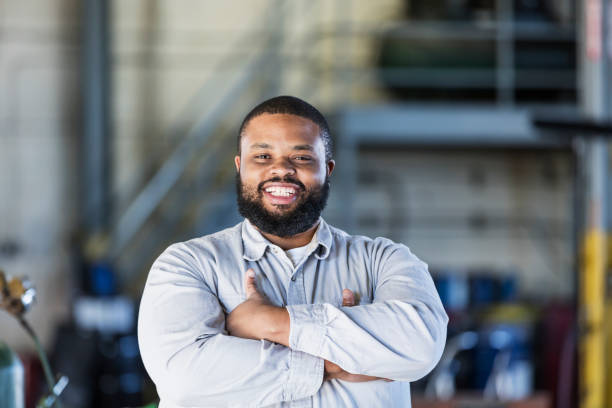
[{"x": 16, "y": 298}]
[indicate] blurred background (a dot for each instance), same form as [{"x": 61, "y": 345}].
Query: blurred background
[{"x": 473, "y": 131}]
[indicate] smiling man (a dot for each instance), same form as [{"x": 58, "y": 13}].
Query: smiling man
[{"x": 283, "y": 309}]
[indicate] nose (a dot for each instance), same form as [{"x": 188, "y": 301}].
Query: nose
[{"x": 282, "y": 167}]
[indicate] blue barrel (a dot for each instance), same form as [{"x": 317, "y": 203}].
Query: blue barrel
[{"x": 11, "y": 378}]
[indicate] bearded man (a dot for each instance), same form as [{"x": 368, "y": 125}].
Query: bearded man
[{"x": 283, "y": 309}]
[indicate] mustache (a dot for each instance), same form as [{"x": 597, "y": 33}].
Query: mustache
[{"x": 286, "y": 179}]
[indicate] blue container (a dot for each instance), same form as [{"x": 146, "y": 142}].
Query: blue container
[
  {"x": 12, "y": 392},
  {"x": 453, "y": 289},
  {"x": 483, "y": 290}
]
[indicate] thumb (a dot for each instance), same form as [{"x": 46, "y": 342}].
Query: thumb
[
  {"x": 348, "y": 298},
  {"x": 250, "y": 287}
]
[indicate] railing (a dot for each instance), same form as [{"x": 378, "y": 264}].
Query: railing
[
  {"x": 343, "y": 75},
  {"x": 167, "y": 176},
  {"x": 204, "y": 137}
]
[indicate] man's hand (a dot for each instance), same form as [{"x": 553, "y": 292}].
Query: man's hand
[
  {"x": 334, "y": 371},
  {"x": 256, "y": 318}
]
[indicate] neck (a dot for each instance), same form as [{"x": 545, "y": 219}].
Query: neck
[{"x": 294, "y": 241}]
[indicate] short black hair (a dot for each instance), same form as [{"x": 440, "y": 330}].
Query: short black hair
[{"x": 291, "y": 105}]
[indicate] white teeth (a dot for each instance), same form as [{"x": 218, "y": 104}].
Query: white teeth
[{"x": 280, "y": 191}]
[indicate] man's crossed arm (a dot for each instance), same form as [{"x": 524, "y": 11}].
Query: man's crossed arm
[
  {"x": 185, "y": 346},
  {"x": 256, "y": 318}
]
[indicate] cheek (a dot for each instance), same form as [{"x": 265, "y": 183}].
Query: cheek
[
  {"x": 247, "y": 175},
  {"x": 249, "y": 186},
  {"x": 315, "y": 177}
]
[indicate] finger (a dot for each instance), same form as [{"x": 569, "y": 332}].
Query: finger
[
  {"x": 250, "y": 287},
  {"x": 361, "y": 378},
  {"x": 348, "y": 298},
  {"x": 331, "y": 368}
]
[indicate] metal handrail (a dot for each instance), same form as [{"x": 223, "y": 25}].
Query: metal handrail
[
  {"x": 150, "y": 197},
  {"x": 166, "y": 177},
  {"x": 166, "y": 227}
]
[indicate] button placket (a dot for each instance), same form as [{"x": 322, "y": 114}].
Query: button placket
[
  {"x": 282, "y": 257},
  {"x": 296, "y": 288}
]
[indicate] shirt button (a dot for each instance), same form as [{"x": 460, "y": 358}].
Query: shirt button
[{"x": 293, "y": 278}]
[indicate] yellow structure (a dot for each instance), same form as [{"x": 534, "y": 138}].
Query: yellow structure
[{"x": 592, "y": 297}]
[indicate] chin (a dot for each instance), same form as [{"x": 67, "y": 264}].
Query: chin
[{"x": 280, "y": 208}]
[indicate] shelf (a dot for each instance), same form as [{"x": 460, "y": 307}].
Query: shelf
[{"x": 443, "y": 126}]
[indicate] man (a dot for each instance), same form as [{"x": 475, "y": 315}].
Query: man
[{"x": 283, "y": 309}]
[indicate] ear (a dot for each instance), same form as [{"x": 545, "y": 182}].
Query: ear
[
  {"x": 330, "y": 167},
  {"x": 237, "y": 163}
]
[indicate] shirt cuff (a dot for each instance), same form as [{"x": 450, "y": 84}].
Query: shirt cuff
[
  {"x": 307, "y": 328},
  {"x": 305, "y": 376}
]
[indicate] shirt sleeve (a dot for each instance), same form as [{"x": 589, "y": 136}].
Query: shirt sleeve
[
  {"x": 400, "y": 336},
  {"x": 191, "y": 358}
]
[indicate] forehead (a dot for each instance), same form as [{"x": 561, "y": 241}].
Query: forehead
[{"x": 280, "y": 129}]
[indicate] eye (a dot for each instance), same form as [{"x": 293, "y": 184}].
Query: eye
[
  {"x": 303, "y": 158},
  {"x": 262, "y": 156}
]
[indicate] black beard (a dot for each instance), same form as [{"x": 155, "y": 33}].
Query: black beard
[{"x": 304, "y": 216}]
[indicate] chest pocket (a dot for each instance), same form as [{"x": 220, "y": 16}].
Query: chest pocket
[{"x": 231, "y": 297}]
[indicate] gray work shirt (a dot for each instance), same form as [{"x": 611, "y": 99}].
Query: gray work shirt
[{"x": 397, "y": 330}]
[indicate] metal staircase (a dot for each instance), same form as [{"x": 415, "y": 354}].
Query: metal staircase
[{"x": 192, "y": 192}]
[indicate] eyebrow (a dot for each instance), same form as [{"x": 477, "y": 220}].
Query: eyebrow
[
  {"x": 267, "y": 146},
  {"x": 260, "y": 146},
  {"x": 303, "y": 147}
]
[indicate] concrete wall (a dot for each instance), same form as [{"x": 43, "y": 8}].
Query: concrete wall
[
  {"x": 173, "y": 60},
  {"x": 40, "y": 124},
  {"x": 163, "y": 53}
]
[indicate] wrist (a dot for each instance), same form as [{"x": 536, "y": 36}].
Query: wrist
[{"x": 276, "y": 325}]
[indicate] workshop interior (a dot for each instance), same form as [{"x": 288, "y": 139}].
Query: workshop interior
[{"x": 473, "y": 131}]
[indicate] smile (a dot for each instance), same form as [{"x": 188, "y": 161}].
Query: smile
[{"x": 280, "y": 191}]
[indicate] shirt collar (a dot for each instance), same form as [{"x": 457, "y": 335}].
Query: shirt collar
[{"x": 255, "y": 244}]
